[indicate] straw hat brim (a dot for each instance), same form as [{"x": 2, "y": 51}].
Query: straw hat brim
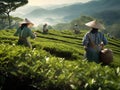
[
  {"x": 95, "y": 24},
  {"x": 26, "y": 21}
]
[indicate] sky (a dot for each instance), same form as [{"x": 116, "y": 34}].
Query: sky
[{"x": 53, "y": 2}]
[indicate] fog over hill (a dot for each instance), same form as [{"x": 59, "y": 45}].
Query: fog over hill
[
  {"x": 66, "y": 13},
  {"x": 37, "y": 13}
]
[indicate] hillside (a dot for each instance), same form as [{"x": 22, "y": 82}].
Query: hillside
[
  {"x": 95, "y": 8},
  {"x": 55, "y": 63},
  {"x": 109, "y": 17}
]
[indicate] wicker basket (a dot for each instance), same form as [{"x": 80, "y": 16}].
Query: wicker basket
[{"x": 106, "y": 56}]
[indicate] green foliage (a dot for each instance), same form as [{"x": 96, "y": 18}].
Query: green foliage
[
  {"x": 54, "y": 73},
  {"x": 114, "y": 30},
  {"x": 14, "y": 22},
  {"x": 2, "y": 8},
  {"x": 62, "y": 26},
  {"x": 55, "y": 63},
  {"x": 10, "y": 5}
]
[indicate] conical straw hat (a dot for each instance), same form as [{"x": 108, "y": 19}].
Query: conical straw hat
[
  {"x": 95, "y": 24},
  {"x": 26, "y": 21}
]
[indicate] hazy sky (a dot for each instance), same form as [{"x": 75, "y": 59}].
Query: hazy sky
[{"x": 53, "y": 2}]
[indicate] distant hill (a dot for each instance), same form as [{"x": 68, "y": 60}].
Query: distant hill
[
  {"x": 97, "y": 8},
  {"x": 109, "y": 16}
]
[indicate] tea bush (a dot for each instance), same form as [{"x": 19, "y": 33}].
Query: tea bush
[{"x": 54, "y": 63}]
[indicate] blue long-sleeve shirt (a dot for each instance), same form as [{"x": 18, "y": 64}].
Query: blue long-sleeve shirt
[{"x": 97, "y": 38}]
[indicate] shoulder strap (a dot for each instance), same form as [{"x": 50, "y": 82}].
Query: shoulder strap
[
  {"x": 92, "y": 44},
  {"x": 22, "y": 32},
  {"x": 89, "y": 36},
  {"x": 101, "y": 35}
]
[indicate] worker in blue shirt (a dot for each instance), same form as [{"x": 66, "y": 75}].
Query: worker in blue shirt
[{"x": 93, "y": 41}]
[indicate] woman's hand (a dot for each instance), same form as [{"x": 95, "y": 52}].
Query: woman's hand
[
  {"x": 85, "y": 47},
  {"x": 35, "y": 34},
  {"x": 102, "y": 45}
]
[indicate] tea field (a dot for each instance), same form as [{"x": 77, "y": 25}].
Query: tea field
[{"x": 56, "y": 62}]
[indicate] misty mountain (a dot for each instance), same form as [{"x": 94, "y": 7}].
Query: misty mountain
[
  {"x": 39, "y": 12},
  {"x": 24, "y": 10},
  {"x": 104, "y": 9},
  {"x": 93, "y": 8},
  {"x": 109, "y": 16}
]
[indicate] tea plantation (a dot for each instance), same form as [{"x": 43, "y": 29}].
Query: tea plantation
[{"x": 56, "y": 62}]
